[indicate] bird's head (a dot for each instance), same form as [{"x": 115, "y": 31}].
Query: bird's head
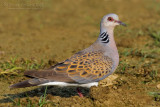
[{"x": 111, "y": 20}]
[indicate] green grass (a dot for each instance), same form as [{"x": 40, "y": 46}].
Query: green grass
[
  {"x": 122, "y": 68},
  {"x": 153, "y": 74},
  {"x": 143, "y": 53},
  {"x": 41, "y": 103},
  {"x": 127, "y": 52},
  {"x": 14, "y": 65},
  {"x": 155, "y": 34},
  {"x": 42, "y": 100},
  {"x": 155, "y": 95}
]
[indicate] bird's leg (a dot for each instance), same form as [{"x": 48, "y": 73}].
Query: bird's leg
[{"x": 79, "y": 92}]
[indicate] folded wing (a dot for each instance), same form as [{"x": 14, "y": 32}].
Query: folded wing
[{"x": 80, "y": 68}]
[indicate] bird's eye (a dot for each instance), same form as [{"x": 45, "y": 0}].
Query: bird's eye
[{"x": 110, "y": 18}]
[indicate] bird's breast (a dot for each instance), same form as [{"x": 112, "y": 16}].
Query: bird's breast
[{"x": 113, "y": 54}]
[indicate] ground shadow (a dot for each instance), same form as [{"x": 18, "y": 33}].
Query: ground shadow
[{"x": 52, "y": 90}]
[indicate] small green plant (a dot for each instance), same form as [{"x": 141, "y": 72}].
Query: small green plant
[
  {"x": 9, "y": 67},
  {"x": 123, "y": 66},
  {"x": 15, "y": 65},
  {"x": 42, "y": 101},
  {"x": 33, "y": 64},
  {"x": 156, "y": 95},
  {"x": 127, "y": 52},
  {"x": 16, "y": 103},
  {"x": 153, "y": 74},
  {"x": 155, "y": 35}
]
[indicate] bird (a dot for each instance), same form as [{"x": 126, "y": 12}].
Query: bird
[{"x": 86, "y": 67}]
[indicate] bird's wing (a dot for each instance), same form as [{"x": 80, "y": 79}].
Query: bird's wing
[{"x": 81, "y": 68}]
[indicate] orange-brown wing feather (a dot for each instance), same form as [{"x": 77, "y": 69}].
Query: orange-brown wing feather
[
  {"x": 86, "y": 67},
  {"x": 81, "y": 68}
]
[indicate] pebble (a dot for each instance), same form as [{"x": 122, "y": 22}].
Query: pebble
[{"x": 158, "y": 86}]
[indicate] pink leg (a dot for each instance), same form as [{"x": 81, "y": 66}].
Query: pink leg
[{"x": 79, "y": 92}]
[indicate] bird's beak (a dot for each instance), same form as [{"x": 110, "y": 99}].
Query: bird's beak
[{"x": 121, "y": 23}]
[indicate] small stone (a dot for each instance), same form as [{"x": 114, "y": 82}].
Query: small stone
[
  {"x": 158, "y": 86},
  {"x": 114, "y": 87}
]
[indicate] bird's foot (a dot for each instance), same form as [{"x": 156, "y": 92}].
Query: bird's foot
[{"x": 79, "y": 93}]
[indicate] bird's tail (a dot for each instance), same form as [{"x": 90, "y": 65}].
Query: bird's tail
[{"x": 29, "y": 83}]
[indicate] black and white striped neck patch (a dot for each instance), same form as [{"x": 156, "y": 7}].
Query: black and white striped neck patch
[{"x": 104, "y": 37}]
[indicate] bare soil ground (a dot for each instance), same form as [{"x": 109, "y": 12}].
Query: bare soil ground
[{"x": 37, "y": 34}]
